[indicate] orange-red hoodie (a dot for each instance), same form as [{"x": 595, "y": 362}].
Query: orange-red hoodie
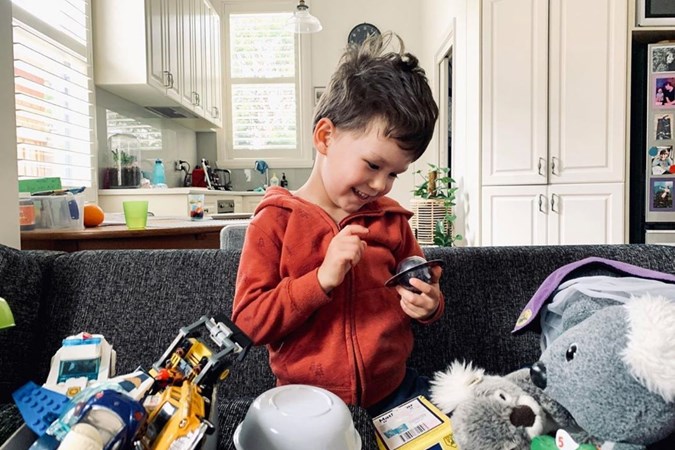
[{"x": 354, "y": 341}]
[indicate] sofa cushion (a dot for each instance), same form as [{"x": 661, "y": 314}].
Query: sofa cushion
[{"x": 21, "y": 283}]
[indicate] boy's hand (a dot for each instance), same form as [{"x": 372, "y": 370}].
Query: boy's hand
[
  {"x": 424, "y": 305},
  {"x": 344, "y": 252}
]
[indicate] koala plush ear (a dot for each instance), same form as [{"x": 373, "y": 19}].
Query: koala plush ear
[
  {"x": 650, "y": 351},
  {"x": 454, "y": 386}
]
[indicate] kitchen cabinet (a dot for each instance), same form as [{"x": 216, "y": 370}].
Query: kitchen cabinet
[
  {"x": 560, "y": 214},
  {"x": 553, "y": 120},
  {"x": 155, "y": 54},
  {"x": 554, "y": 84}
]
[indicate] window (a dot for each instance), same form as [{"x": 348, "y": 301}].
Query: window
[
  {"x": 268, "y": 102},
  {"x": 53, "y": 89}
]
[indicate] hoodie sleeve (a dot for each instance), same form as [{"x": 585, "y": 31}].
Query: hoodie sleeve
[{"x": 267, "y": 307}]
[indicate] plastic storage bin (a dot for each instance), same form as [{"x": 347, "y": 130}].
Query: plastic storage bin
[{"x": 59, "y": 211}]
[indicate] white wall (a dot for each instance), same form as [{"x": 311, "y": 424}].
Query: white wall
[
  {"x": 9, "y": 200},
  {"x": 458, "y": 22}
]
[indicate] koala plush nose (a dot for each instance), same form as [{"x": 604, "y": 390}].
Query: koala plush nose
[
  {"x": 538, "y": 374},
  {"x": 522, "y": 416}
]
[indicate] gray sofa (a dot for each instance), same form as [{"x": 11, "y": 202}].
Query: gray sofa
[{"x": 138, "y": 299}]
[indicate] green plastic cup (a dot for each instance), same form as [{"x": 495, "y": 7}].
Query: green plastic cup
[
  {"x": 136, "y": 214},
  {"x": 6, "y": 317}
]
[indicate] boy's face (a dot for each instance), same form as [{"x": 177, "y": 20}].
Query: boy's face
[{"x": 360, "y": 167}]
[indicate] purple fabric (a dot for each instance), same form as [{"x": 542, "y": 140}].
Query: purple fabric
[{"x": 554, "y": 280}]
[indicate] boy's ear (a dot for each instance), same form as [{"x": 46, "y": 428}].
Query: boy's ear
[{"x": 323, "y": 133}]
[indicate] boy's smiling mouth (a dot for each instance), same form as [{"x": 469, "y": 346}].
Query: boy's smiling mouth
[{"x": 360, "y": 194}]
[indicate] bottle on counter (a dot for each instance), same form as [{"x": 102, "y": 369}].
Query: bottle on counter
[
  {"x": 274, "y": 181},
  {"x": 284, "y": 182},
  {"x": 158, "y": 174}
]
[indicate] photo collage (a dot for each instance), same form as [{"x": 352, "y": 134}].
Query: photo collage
[{"x": 660, "y": 157}]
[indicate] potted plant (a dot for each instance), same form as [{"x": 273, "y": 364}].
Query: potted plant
[{"x": 432, "y": 205}]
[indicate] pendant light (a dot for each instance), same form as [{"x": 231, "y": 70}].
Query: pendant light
[{"x": 302, "y": 21}]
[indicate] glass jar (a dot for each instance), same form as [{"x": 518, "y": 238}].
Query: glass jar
[{"x": 121, "y": 166}]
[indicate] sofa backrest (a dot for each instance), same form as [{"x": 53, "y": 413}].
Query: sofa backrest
[
  {"x": 139, "y": 299},
  {"x": 486, "y": 288},
  {"x": 21, "y": 285}
]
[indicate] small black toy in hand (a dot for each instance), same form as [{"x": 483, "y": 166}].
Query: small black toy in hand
[{"x": 413, "y": 267}]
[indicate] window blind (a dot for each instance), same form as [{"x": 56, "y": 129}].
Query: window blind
[
  {"x": 53, "y": 90},
  {"x": 263, "y": 82}
]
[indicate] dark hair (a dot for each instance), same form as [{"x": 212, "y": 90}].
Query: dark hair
[{"x": 371, "y": 84}]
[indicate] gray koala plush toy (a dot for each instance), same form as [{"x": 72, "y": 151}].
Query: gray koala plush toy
[
  {"x": 490, "y": 412},
  {"x": 613, "y": 369}
]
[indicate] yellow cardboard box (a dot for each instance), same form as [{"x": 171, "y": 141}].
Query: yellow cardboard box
[{"x": 414, "y": 425}]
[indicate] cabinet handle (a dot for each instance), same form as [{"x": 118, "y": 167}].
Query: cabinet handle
[
  {"x": 167, "y": 77},
  {"x": 195, "y": 98},
  {"x": 216, "y": 112},
  {"x": 553, "y": 164},
  {"x": 553, "y": 196},
  {"x": 170, "y": 80},
  {"x": 542, "y": 201},
  {"x": 540, "y": 166}
]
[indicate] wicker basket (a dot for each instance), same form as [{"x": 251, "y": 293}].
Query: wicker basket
[{"x": 427, "y": 213}]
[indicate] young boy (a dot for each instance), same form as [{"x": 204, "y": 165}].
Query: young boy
[{"x": 311, "y": 278}]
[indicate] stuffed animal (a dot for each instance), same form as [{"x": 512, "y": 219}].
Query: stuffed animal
[
  {"x": 613, "y": 369},
  {"x": 491, "y": 412}
]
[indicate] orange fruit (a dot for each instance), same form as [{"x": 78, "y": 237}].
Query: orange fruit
[{"x": 93, "y": 215}]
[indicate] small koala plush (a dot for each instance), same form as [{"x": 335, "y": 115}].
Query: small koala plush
[
  {"x": 613, "y": 370},
  {"x": 491, "y": 412}
]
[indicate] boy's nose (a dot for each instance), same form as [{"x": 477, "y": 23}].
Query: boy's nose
[{"x": 378, "y": 183}]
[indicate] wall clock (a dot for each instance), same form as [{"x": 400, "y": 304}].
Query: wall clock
[{"x": 360, "y": 32}]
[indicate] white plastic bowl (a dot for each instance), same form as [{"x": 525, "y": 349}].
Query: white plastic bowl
[{"x": 297, "y": 417}]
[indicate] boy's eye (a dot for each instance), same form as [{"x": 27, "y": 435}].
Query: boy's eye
[
  {"x": 393, "y": 175},
  {"x": 373, "y": 166}
]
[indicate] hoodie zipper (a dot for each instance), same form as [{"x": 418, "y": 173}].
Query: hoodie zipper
[{"x": 349, "y": 318}]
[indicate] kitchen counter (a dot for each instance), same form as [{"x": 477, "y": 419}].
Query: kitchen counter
[
  {"x": 177, "y": 190},
  {"x": 161, "y": 232},
  {"x": 173, "y": 201}
]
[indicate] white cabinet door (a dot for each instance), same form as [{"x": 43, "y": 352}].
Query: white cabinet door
[
  {"x": 588, "y": 41},
  {"x": 156, "y": 25},
  {"x": 586, "y": 214},
  {"x": 514, "y": 215},
  {"x": 188, "y": 46},
  {"x": 514, "y": 98},
  {"x": 213, "y": 104},
  {"x": 562, "y": 214},
  {"x": 174, "y": 42}
]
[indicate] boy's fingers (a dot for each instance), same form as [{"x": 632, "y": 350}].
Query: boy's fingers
[
  {"x": 354, "y": 230},
  {"x": 436, "y": 272}
]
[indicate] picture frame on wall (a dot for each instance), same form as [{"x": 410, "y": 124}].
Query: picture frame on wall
[
  {"x": 664, "y": 92},
  {"x": 318, "y": 92},
  {"x": 661, "y": 194},
  {"x": 663, "y": 126},
  {"x": 661, "y": 160},
  {"x": 663, "y": 59}
]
